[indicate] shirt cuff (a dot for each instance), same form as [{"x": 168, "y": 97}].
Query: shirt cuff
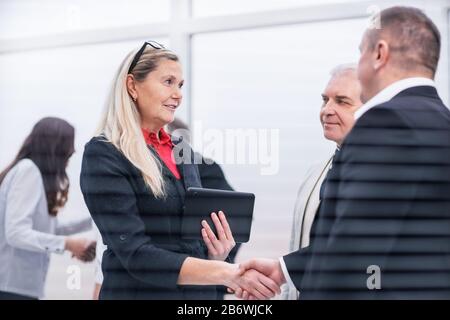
[
  {"x": 286, "y": 273},
  {"x": 57, "y": 245}
]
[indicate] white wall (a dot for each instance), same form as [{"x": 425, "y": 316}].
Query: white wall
[{"x": 271, "y": 78}]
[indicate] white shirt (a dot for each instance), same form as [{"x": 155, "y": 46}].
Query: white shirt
[
  {"x": 391, "y": 91},
  {"x": 383, "y": 96},
  {"x": 28, "y": 234}
]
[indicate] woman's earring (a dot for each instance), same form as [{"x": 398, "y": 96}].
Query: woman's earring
[{"x": 134, "y": 99}]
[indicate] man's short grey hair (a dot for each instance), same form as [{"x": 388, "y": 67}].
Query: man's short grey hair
[
  {"x": 414, "y": 39},
  {"x": 343, "y": 68}
]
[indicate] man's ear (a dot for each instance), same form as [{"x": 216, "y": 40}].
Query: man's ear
[
  {"x": 131, "y": 86},
  {"x": 382, "y": 54}
]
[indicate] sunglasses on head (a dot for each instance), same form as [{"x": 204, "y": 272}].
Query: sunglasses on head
[{"x": 153, "y": 44}]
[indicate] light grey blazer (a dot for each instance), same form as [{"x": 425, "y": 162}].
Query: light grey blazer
[
  {"x": 306, "y": 205},
  {"x": 28, "y": 234}
]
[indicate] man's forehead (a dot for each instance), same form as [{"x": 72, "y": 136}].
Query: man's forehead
[
  {"x": 342, "y": 84},
  {"x": 344, "y": 76}
]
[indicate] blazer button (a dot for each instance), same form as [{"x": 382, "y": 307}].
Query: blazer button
[{"x": 122, "y": 237}]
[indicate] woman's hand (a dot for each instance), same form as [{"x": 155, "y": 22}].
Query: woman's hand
[
  {"x": 218, "y": 248},
  {"x": 83, "y": 249}
]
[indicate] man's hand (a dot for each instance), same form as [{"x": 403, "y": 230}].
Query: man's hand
[
  {"x": 90, "y": 252},
  {"x": 268, "y": 267},
  {"x": 253, "y": 282}
]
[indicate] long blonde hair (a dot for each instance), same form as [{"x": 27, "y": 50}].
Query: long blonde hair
[{"x": 120, "y": 123}]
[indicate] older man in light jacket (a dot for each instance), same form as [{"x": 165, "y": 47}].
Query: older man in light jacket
[{"x": 341, "y": 98}]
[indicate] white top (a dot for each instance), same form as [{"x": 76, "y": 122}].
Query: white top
[
  {"x": 28, "y": 234},
  {"x": 391, "y": 91}
]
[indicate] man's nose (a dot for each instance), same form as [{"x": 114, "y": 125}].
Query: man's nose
[{"x": 328, "y": 108}]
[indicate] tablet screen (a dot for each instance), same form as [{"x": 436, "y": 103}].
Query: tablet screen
[{"x": 199, "y": 203}]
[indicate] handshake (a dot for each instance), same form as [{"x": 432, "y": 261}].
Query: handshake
[
  {"x": 256, "y": 279},
  {"x": 83, "y": 249}
]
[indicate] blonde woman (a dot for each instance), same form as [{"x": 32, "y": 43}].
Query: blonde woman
[{"x": 135, "y": 190}]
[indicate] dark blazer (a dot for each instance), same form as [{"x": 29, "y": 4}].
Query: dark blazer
[
  {"x": 386, "y": 204},
  {"x": 144, "y": 250}
]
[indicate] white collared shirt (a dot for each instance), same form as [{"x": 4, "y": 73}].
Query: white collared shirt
[
  {"x": 383, "y": 96},
  {"x": 28, "y": 234},
  {"x": 391, "y": 91}
]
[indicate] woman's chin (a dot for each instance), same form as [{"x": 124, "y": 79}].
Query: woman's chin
[{"x": 169, "y": 118}]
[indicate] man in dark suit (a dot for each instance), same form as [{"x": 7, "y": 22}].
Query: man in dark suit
[{"x": 383, "y": 228}]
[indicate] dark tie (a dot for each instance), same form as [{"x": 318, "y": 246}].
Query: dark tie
[
  {"x": 322, "y": 187},
  {"x": 321, "y": 194}
]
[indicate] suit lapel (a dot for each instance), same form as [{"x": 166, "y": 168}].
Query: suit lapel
[{"x": 311, "y": 206}]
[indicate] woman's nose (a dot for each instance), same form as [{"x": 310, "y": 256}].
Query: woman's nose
[{"x": 178, "y": 94}]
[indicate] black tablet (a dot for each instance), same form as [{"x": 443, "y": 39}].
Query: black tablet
[{"x": 199, "y": 203}]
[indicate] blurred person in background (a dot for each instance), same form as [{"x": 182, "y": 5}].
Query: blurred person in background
[
  {"x": 134, "y": 189},
  {"x": 33, "y": 189},
  {"x": 341, "y": 98}
]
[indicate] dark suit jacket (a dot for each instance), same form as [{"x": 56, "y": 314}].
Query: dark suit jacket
[
  {"x": 386, "y": 204},
  {"x": 144, "y": 249}
]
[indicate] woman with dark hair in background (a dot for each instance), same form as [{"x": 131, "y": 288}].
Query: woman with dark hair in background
[{"x": 33, "y": 188}]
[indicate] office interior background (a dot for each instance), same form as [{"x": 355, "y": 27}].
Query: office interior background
[{"x": 248, "y": 64}]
